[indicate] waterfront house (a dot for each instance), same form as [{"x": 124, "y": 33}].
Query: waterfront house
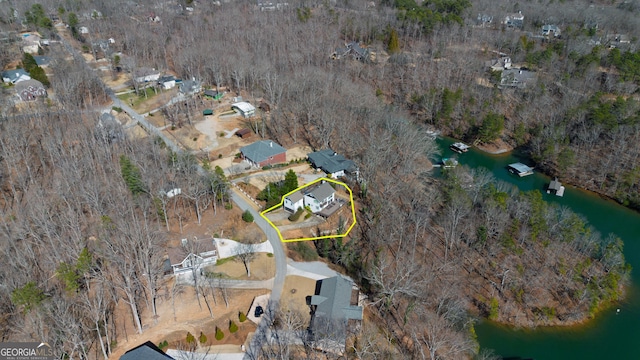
[{"x": 520, "y": 169}]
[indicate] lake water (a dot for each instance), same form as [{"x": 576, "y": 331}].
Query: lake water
[{"x": 610, "y": 335}]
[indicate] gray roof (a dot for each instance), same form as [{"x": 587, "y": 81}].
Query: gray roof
[
  {"x": 333, "y": 299},
  {"x": 14, "y": 74},
  {"x": 262, "y": 150},
  {"x": 555, "y": 185},
  {"x": 42, "y": 60},
  {"x": 517, "y": 77},
  {"x": 321, "y": 192},
  {"x": 295, "y": 197},
  {"x": 146, "y": 351},
  {"x": 520, "y": 167},
  {"x": 330, "y": 161}
]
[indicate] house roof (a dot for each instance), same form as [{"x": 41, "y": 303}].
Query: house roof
[
  {"x": 295, "y": 197},
  {"x": 333, "y": 299},
  {"x": 517, "y": 77},
  {"x": 555, "y": 185},
  {"x": 166, "y": 78},
  {"x": 146, "y": 351},
  {"x": 321, "y": 191},
  {"x": 330, "y": 161},
  {"x": 178, "y": 254},
  {"x": 243, "y": 106},
  {"x": 42, "y": 60},
  {"x": 14, "y": 75},
  {"x": 262, "y": 150}
]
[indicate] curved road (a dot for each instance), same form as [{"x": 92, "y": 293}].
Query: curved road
[{"x": 278, "y": 250}]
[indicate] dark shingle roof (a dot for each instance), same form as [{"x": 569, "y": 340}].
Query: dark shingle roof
[
  {"x": 295, "y": 197},
  {"x": 261, "y": 150},
  {"x": 330, "y": 161},
  {"x": 333, "y": 299},
  {"x": 146, "y": 351}
]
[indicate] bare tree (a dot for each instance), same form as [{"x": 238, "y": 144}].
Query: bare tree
[{"x": 245, "y": 253}]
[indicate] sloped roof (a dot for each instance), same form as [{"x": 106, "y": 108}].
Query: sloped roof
[
  {"x": 262, "y": 150},
  {"x": 330, "y": 161},
  {"x": 14, "y": 74},
  {"x": 243, "y": 106},
  {"x": 295, "y": 197},
  {"x": 42, "y": 60},
  {"x": 333, "y": 299},
  {"x": 146, "y": 351},
  {"x": 321, "y": 192},
  {"x": 520, "y": 167}
]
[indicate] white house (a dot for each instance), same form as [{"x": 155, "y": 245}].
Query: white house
[
  {"x": 203, "y": 253},
  {"x": 167, "y": 82},
  {"x": 293, "y": 202},
  {"x": 244, "y": 108},
  {"x": 15, "y": 76},
  {"x": 144, "y": 75},
  {"x": 30, "y": 43},
  {"x": 319, "y": 197}
]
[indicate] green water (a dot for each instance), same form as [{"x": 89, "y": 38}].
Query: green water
[{"x": 611, "y": 335}]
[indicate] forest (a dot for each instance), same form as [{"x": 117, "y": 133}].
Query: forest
[{"x": 82, "y": 222}]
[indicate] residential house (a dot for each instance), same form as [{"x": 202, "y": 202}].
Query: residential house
[
  {"x": 263, "y": 153},
  {"x": 517, "y": 78},
  {"x": 515, "y": 20},
  {"x": 42, "y": 61},
  {"x": 331, "y": 163},
  {"x": 15, "y": 76},
  {"x": 190, "y": 86},
  {"x": 30, "y": 90},
  {"x": 244, "y": 108},
  {"x": 293, "y": 202},
  {"x": 146, "y": 351},
  {"x": 167, "y": 82},
  {"x": 319, "y": 197},
  {"x": 192, "y": 255},
  {"x": 500, "y": 64},
  {"x": 334, "y": 307},
  {"x": 145, "y": 75},
  {"x": 352, "y": 49},
  {"x": 550, "y": 30},
  {"x": 484, "y": 20}
]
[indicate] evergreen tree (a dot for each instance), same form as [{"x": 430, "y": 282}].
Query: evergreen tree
[
  {"x": 28, "y": 62},
  {"x": 393, "y": 46},
  {"x": 131, "y": 175},
  {"x": 290, "y": 182}
]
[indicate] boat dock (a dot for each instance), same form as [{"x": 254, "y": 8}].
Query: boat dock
[
  {"x": 556, "y": 188},
  {"x": 459, "y": 147},
  {"x": 520, "y": 169}
]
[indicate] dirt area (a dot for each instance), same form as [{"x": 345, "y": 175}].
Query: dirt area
[
  {"x": 262, "y": 268},
  {"x": 496, "y": 147},
  {"x": 226, "y": 224},
  {"x": 173, "y": 324},
  {"x": 296, "y": 289}
]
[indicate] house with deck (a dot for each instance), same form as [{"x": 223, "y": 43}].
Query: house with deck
[
  {"x": 15, "y": 76},
  {"x": 515, "y": 20},
  {"x": 244, "y": 108},
  {"x": 334, "y": 308},
  {"x": 192, "y": 255},
  {"x": 319, "y": 197},
  {"x": 332, "y": 163}
]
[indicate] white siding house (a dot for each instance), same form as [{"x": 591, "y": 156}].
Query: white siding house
[{"x": 293, "y": 202}]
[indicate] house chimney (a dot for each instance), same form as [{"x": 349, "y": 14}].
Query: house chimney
[
  {"x": 270, "y": 143},
  {"x": 335, "y": 153},
  {"x": 184, "y": 242}
]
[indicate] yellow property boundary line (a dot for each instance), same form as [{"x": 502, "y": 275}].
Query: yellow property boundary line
[{"x": 353, "y": 212}]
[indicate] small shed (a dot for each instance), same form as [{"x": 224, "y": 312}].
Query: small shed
[
  {"x": 244, "y": 133},
  {"x": 206, "y": 112}
]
